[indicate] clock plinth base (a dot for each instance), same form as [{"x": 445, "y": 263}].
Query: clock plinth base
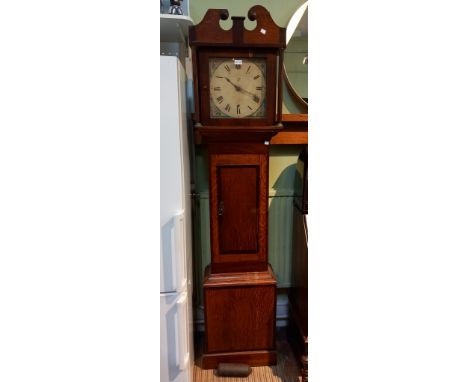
[
  {"x": 251, "y": 358},
  {"x": 240, "y": 317}
]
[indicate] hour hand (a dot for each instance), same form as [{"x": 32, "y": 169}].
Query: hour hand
[{"x": 243, "y": 91}]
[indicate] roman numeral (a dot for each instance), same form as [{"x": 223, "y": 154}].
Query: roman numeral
[
  {"x": 248, "y": 69},
  {"x": 238, "y": 109},
  {"x": 257, "y": 76},
  {"x": 249, "y": 107},
  {"x": 228, "y": 107},
  {"x": 259, "y": 87},
  {"x": 217, "y": 88},
  {"x": 220, "y": 99},
  {"x": 227, "y": 68}
]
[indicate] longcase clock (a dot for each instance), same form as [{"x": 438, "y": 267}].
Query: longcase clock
[{"x": 237, "y": 89}]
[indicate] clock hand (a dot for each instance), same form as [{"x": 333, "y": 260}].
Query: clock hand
[
  {"x": 243, "y": 91},
  {"x": 232, "y": 83},
  {"x": 254, "y": 97}
]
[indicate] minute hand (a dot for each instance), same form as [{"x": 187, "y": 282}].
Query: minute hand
[
  {"x": 254, "y": 97},
  {"x": 243, "y": 91}
]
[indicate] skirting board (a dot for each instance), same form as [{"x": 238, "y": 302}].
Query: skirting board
[{"x": 282, "y": 312}]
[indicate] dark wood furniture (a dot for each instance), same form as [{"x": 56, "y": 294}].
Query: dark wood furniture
[
  {"x": 298, "y": 301},
  {"x": 239, "y": 285},
  {"x": 294, "y": 130}
]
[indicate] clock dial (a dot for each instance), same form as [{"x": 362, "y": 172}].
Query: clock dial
[{"x": 237, "y": 88}]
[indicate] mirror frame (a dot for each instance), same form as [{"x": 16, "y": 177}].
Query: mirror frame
[{"x": 291, "y": 27}]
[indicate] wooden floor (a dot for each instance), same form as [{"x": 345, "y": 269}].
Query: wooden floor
[{"x": 286, "y": 369}]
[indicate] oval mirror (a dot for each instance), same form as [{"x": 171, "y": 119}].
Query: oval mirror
[{"x": 296, "y": 55}]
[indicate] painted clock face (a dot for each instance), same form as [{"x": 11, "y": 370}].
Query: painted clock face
[{"x": 237, "y": 88}]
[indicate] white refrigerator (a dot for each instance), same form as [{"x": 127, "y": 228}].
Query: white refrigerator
[{"x": 176, "y": 329}]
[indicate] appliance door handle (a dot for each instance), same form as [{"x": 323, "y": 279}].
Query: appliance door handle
[
  {"x": 180, "y": 255},
  {"x": 183, "y": 356}
]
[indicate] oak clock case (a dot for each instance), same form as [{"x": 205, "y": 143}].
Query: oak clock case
[{"x": 237, "y": 88}]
